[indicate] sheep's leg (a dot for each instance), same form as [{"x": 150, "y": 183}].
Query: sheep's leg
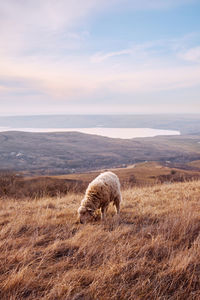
[
  {"x": 117, "y": 207},
  {"x": 103, "y": 213}
]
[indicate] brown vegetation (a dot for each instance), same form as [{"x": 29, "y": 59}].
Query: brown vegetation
[
  {"x": 152, "y": 252},
  {"x": 18, "y": 187},
  {"x": 143, "y": 174}
]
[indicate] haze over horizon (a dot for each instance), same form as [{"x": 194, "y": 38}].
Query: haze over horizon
[{"x": 95, "y": 57}]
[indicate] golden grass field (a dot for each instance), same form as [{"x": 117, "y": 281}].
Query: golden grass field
[{"x": 151, "y": 252}]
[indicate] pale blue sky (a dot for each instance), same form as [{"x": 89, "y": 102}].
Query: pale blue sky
[{"x": 88, "y": 56}]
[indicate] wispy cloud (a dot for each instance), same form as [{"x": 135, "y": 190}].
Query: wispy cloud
[
  {"x": 153, "y": 50},
  {"x": 46, "y": 49},
  {"x": 31, "y": 25},
  {"x": 143, "y": 71},
  {"x": 99, "y": 57},
  {"x": 191, "y": 55},
  {"x": 79, "y": 80}
]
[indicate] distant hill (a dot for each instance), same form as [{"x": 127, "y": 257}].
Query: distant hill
[
  {"x": 186, "y": 124},
  {"x": 70, "y": 152}
]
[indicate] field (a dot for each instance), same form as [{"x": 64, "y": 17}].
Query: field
[{"x": 151, "y": 252}]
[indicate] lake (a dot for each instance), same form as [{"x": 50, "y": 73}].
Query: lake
[{"x": 123, "y": 133}]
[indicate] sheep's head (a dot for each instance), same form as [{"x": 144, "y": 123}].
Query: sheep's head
[{"x": 85, "y": 215}]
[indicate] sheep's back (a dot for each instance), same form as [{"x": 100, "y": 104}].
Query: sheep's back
[{"x": 103, "y": 189}]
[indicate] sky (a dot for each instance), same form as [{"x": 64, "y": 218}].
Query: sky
[{"x": 99, "y": 56}]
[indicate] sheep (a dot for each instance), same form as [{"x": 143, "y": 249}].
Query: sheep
[{"x": 103, "y": 190}]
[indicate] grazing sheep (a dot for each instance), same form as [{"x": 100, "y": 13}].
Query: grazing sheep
[{"x": 103, "y": 190}]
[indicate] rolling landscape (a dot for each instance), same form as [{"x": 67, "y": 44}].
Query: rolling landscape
[
  {"x": 150, "y": 252},
  {"x": 47, "y": 254},
  {"x": 73, "y": 152},
  {"x": 100, "y": 150}
]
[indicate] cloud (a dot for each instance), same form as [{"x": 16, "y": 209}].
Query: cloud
[
  {"x": 191, "y": 55},
  {"x": 150, "y": 52},
  {"x": 30, "y": 26},
  {"x": 142, "y": 68},
  {"x": 99, "y": 57},
  {"x": 40, "y": 61},
  {"x": 80, "y": 80}
]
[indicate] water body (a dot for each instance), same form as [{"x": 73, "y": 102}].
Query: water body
[{"x": 123, "y": 133}]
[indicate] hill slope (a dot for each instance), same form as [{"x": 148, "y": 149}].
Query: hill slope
[
  {"x": 152, "y": 252},
  {"x": 140, "y": 175},
  {"x": 61, "y": 153}
]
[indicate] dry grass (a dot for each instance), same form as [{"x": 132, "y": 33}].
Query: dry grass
[
  {"x": 152, "y": 252},
  {"x": 18, "y": 187},
  {"x": 141, "y": 174}
]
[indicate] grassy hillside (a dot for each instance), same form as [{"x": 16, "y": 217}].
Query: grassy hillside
[
  {"x": 69, "y": 152},
  {"x": 142, "y": 174},
  {"x": 152, "y": 252}
]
